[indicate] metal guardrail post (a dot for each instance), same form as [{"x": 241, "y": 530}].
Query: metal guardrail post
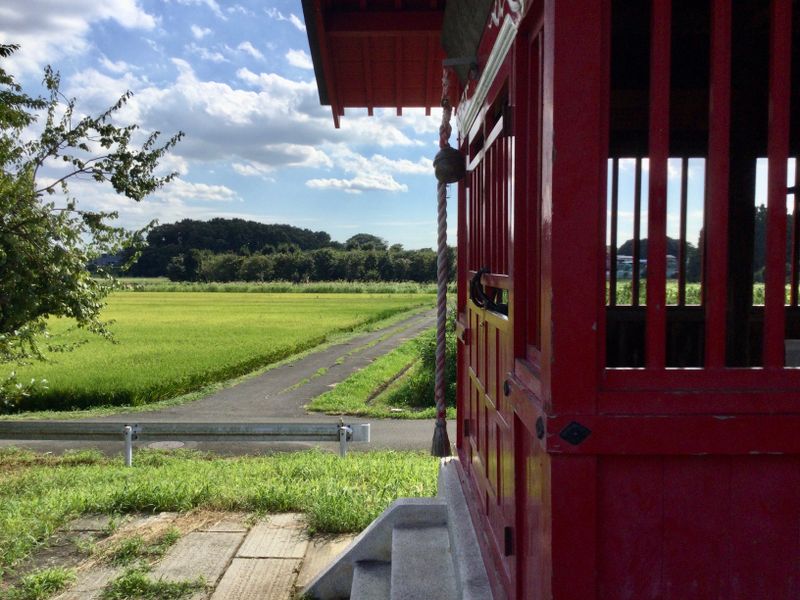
[
  {"x": 345, "y": 434},
  {"x": 127, "y": 431}
]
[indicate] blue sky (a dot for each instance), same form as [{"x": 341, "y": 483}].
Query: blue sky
[{"x": 236, "y": 77}]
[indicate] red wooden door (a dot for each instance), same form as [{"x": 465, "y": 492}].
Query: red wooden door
[{"x": 487, "y": 359}]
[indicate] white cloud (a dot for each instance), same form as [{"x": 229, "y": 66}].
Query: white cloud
[
  {"x": 274, "y": 13},
  {"x": 211, "y": 4},
  {"x": 48, "y": 31},
  {"x": 248, "y": 48},
  {"x": 269, "y": 124},
  {"x": 200, "y": 32},
  {"x": 206, "y": 54},
  {"x": 252, "y": 169},
  {"x": 187, "y": 190},
  {"x": 359, "y": 184},
  {"x": 297, "y": 22},
  {"x": 238, "y": 8},
  {"x": 117, "y": 67},
  {"x": 374, "y": 173},
  {"x": 424, "y": 166},
  {"x": 299, "y": 59}
]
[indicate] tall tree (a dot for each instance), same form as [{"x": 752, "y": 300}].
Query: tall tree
[
  {"x": 47, "y": 239},
  {"x": 365, "y": 241}
]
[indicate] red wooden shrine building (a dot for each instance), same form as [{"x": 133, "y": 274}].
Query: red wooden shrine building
[{"x": 619, "y": 439}]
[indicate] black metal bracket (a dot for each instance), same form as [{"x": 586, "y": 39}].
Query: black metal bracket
[
  {"x": 539, "y": 428},
  {"x": 575, "y": 433},
  {"x": 508, "y": 535}
]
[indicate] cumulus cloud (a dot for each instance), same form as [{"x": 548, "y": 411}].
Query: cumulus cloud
[
  {"x": 187, "y": 190},
  {"x": 373, "y": 173},
  {"x": 116, "y": 67},
  {"x": 360, "y": 183},
  {"x": 48, "y": 31},
  {"x": 268, "y": 123},
  {"x": 299, "y": 59},
  {"x": 200, "y": 32},
  {"x": 171, "y": 203},
  {"x": 248, "y": 48},
  {"x": 206, "y": 53}
]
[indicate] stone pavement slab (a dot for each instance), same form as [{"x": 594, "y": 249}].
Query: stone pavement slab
[
  {"x": 320, "y": 553},
  {"x": 258, "y": 579},
  {"x": 279, "y": 536},
  {"x": 90, "y": 583},
  {"x": 199, "y": 554}
]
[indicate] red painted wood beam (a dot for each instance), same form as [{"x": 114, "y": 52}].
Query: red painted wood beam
[
  {"x": 778, "y": 153},
  {"x": 384, "y": 23},
  {"x": 365, "y": 54},
  {"x": 677, "y": 435},
  {"x": 327, "y": 66},
  {"x": 657, "y": 199},
  {"x": 715, "y": 250}
]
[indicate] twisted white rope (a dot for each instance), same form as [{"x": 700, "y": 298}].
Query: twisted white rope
[{"x": 441, "y": 444}]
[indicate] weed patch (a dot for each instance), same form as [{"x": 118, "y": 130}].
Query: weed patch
[
  {"x": 40, "y": 494},
  {"x": 41, "y": 584},
  {"x": 135, "y": 584}
]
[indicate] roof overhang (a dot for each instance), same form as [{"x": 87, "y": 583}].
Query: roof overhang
[{"x": 376, "y": 53}]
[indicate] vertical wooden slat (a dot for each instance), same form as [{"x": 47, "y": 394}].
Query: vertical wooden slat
[
  {"x": 795, "y": 232},
  {"x": 491, "y": 201},
  {"x": 612, "y": 259},
  {"x": 398, "y": 74},
  {"x": 507, "y": 195},
  {"x": 778, "y": 154},
  {"x": 637, "y": 234},
  {"x": 682, "y": 232},
  {"x": 715, "y": 247},
  {"x": 655, "y": 352}
]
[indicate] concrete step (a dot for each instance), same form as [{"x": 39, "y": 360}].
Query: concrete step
[
  {"x": 371, "y": 580},
  {"x": 422, "y": 564}
]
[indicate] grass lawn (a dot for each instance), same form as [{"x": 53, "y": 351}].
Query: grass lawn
[
  {"x": 40, "y": 493},
  {"x": 173, "y": 343},
  {"x": 380, "y": 389}
]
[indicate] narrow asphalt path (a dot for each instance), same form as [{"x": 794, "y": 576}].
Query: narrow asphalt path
[
  {"x": 280, "y": 395},
  {"x": 285, "y": 390}
]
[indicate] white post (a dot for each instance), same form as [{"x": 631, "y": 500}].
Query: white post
[
  {"x": 128, "y": 432},
  {"x": 344, "y": 430}
]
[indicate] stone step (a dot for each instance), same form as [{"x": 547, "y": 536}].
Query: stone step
[
  {"x": 422, "y": 565},
  {"x": 371, "y": 580}
]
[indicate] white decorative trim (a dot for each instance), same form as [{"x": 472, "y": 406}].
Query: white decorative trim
[
  {"x": 516, "y": 8},
  {"x": 469, "y": 108}
]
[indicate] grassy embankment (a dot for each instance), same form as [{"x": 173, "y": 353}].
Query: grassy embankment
[
  {"x": 40, "y": 493},
  {"x": 172, "y": 343},
  {"x": 399, "y": 384}
]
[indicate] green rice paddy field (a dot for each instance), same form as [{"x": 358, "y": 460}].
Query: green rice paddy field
[{"x": 172, "y": 343}]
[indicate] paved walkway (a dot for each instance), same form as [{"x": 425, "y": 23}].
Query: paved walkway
[
  {"x": 237, "y": 560},
  {"x": 281, "y": 394}
]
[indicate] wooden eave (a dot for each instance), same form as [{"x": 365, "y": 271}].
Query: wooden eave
[{"x": 376, "y": 53}]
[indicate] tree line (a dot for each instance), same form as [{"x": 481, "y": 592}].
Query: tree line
[
  {"x": 239, "y": 250},
  {"x": 694, "y": 256}
]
